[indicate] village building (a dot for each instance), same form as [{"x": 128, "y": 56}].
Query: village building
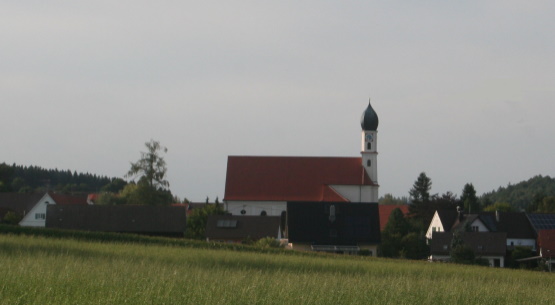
[
  {"x": 271, "y": 185},
  {"x": 149, "y": 220},
  {"x": 32, "y": 207}
]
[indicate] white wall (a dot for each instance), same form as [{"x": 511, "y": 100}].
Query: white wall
[
  {"x": 254, "y": 208},
  {"x": 30, "y": 219},
  {"x": 481, "y": 227},
  {"x": 357, "y": 193},
  {"x": 523, "y": 242},
  {"x": 435, "y": 223}
]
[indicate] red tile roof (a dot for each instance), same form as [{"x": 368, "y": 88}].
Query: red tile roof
[
  {"x": 546, "y": 241},
  {"x": 385, "y": 212},
  {"x": 291, "y": 178}
]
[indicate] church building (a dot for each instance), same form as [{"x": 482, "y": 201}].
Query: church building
[{"x": 262, "y": 185}]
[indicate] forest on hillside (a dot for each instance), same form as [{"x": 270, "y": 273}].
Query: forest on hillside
[
  {"x": 536, "y": 193},
  {"x": 31, "y": 179}
]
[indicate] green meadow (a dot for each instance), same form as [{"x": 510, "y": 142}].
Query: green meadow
[{"x": 51, "y": 270}]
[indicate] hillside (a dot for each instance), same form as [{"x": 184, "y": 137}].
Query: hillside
[{"x": 523, "y": 194}]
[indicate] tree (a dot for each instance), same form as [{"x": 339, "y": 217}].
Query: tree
[
  {"x": 499, "y": 206},
  {"x": 420, "y": 191},
  {"x": 469, "y": 199},
  {"x": 396, "y": 228},
  {"x": 151, "y": 167},
  {"x": 420, "y": 209},
  {"x": 547, "y": 205},
  {"x": 400, "y": 240},
  {"x": 391, "y": 200},
  {"x": 196, "y": 223},
  {"x": 461, "y": 253},
  {"x": 12, "y": 218}
]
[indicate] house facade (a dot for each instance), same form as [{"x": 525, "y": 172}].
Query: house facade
[
  {"x": 486, "y": 245},
  {"x": 32, "y": 207},
  {"x": 516, "y": 225}
]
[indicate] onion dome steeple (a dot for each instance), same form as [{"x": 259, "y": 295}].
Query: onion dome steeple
[{"x": 369, "y": 119}]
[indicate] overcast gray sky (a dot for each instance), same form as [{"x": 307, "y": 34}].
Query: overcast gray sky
[{"x": 464, "y": 90}]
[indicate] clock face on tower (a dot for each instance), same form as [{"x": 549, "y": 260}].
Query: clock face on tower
[{"x": 369, "y": 137}]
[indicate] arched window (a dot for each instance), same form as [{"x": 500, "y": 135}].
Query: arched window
[
  {"x": 369, "y": 146},
  {"x": 263, "y": 213}
]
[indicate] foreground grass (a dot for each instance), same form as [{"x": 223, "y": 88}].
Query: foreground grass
[{"x": 39, "y": 270}]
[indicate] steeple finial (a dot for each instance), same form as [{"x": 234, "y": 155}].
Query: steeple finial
[{"x": 369, "y": 119}]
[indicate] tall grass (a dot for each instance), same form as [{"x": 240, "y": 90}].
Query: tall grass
[{"x": 39, "y": 270}]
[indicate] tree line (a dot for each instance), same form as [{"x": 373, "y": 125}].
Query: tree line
[
  {"x": 31, "y": 179},
  {"x": 150, "y": 187}
]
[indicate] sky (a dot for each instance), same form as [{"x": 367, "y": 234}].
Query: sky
[{"x": 465, "y": 91}]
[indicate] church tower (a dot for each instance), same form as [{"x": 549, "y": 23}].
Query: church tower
[{"x": 369, "y": 124}]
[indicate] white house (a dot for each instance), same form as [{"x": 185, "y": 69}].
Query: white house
[
  {"x": 32, "y": 207},
  {"x": 519, "y": 231}
]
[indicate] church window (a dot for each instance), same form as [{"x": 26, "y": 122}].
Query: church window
[
  {"x": 369, "y": 146},
  {"x": 369, "y": 163}
]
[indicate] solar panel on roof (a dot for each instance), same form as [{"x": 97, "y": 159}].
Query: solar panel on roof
[{"x": 542, "y": 221}]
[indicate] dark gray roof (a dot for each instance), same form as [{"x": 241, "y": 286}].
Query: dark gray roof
[
  {"x": 448, "y": 218},
  {"x": 515, "y": 224},
  {"x": 19, "y": 203},
  {"x": 229, "y": 227},
  {"x": 154, "y": 220},
  {"x": 369, "y": 119},
  {"x": 483, "y": 243}
]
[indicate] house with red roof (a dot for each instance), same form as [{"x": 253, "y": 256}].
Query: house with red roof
[
  {"x": 386, "y": 209},
  {"x": 264, "y": 185}
]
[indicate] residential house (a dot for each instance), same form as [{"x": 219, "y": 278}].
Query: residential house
[
  {"x": 515, "y": 224},
  {"x": 490, "y": 246},
  {"x": 32, "y": 207}
]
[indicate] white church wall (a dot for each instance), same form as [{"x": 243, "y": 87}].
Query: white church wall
[
  {"x": 255, "y": 208},
  {"x": 357, "y": 193}
]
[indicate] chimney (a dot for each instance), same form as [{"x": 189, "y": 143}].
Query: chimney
[{"x": 460, "y": 212}]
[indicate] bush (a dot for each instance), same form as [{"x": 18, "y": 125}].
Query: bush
[
  {"x": 11, "y": 218},
  {"x": 268, "y": 242}
]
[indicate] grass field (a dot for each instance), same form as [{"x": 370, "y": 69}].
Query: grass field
[{"x": 41, "y": 270}]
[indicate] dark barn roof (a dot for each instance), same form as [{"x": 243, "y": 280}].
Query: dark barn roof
[
  {"x": 483, "y": 243},
  {"x": 19, "y": 203},
  {"x": 142, "y": 219},
  {"x": 313, "y": 222},
  {"x": 228, "y": 227}
]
